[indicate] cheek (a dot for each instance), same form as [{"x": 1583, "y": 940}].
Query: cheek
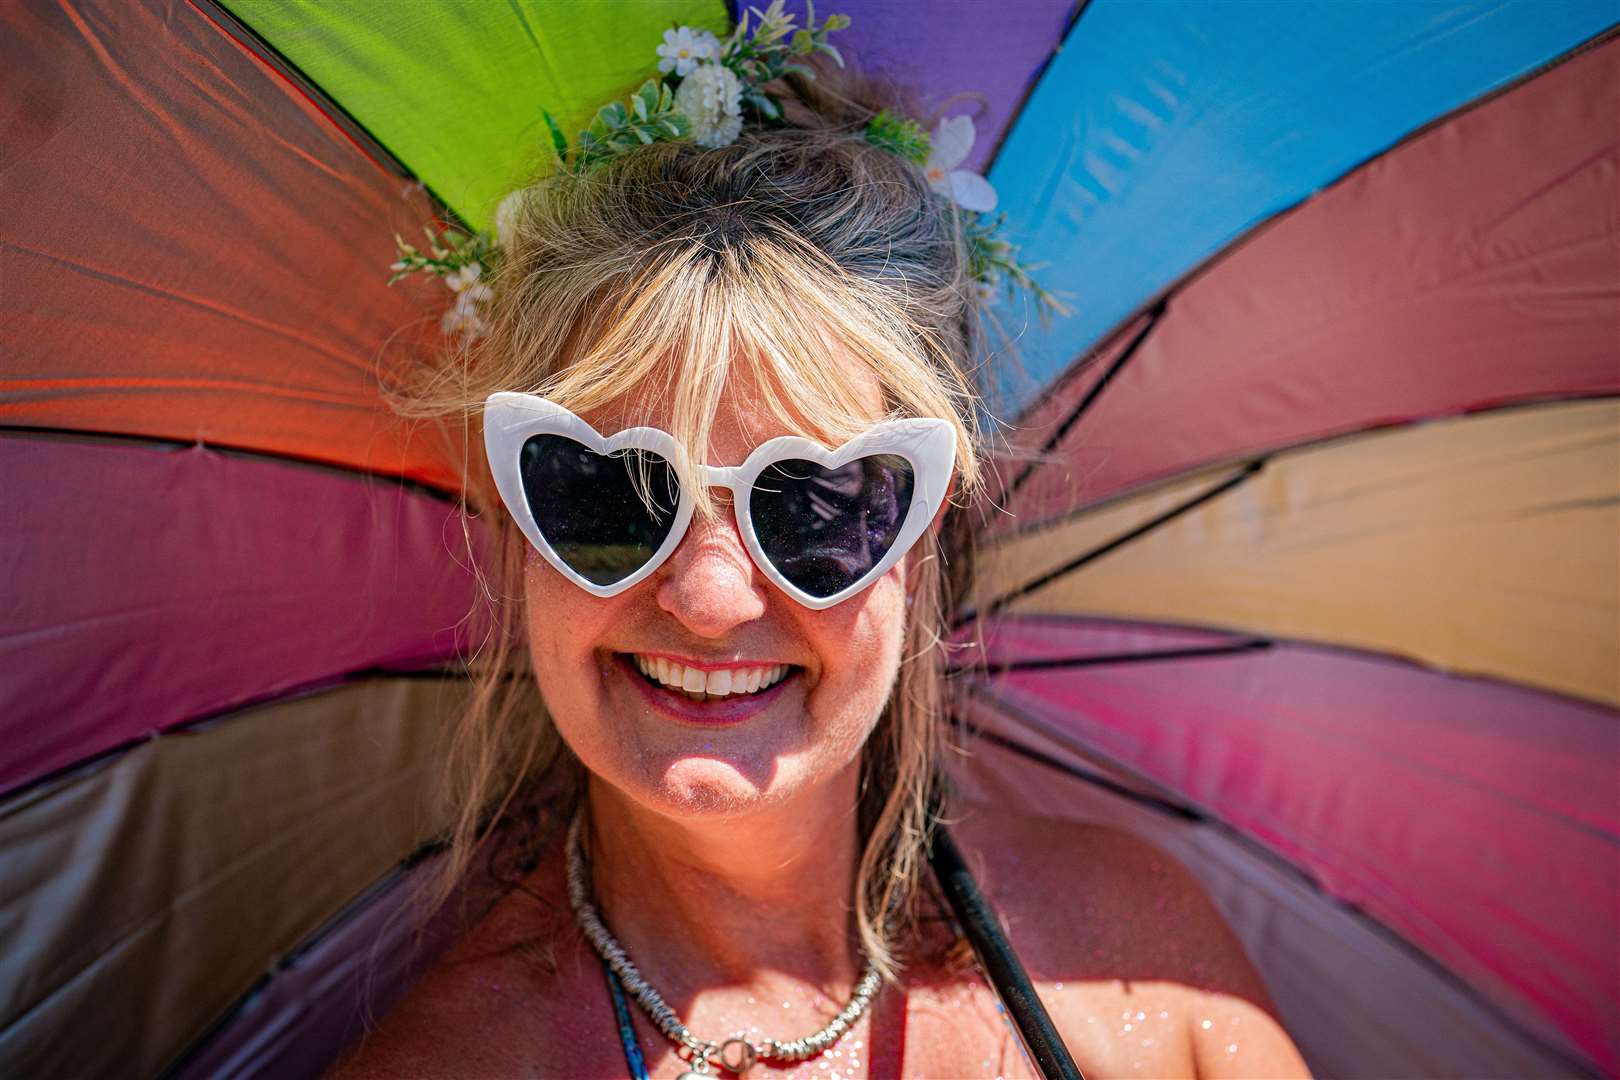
[
  {"x": 860, "y": 651},
  {"x": 561, "y": 621}
]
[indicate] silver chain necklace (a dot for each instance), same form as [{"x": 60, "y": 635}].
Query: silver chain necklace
[{"x": 735, "y": 1054}]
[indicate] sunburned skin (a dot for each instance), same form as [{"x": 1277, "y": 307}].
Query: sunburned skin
[
  {"x": 724, "y": 854},
  {"x": 1139, "y": 973}
]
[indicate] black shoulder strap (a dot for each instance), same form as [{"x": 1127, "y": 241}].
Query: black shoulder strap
[{"x": 1001, "y": 964}]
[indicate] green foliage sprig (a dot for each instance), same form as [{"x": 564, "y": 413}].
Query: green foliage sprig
[
  {"x": 899, "y": 136},
  {"x": 650, "y": 117},
  {"x": 448, "y": 250},
  {"x": 774, "y": 49},
  {"x": 763, "y": 48},
  {"x": 994, "y": 263}
]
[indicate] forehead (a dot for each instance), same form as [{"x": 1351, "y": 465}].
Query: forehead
[{"x": 742, "y": 419}]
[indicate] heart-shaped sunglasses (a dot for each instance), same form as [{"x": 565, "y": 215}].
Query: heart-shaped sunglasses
[{"x": 821, "y": 524}]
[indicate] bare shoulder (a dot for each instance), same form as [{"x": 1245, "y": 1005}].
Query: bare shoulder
[
  {"x": 515, "y": 997},
  {"x": 1126, "y": 947},
  {"x": 1093, "y": 901}
]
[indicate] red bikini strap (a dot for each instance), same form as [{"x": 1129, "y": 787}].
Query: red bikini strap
[{"x": 887, "y": 1053}]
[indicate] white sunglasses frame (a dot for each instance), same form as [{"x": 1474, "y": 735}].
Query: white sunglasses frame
[{"x": 511, "y": 419}]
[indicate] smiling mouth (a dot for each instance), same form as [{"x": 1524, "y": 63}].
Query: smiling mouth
[{"x": 736, "y": 684}]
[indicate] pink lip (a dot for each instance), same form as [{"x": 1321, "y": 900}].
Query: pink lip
[{"x": 720, "y": 713}]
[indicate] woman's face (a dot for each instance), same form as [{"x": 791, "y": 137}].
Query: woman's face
[{"x": 708, "y": 607}]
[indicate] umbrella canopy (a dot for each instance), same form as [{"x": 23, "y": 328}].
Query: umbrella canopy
[{"x": 1302, "y": 560}]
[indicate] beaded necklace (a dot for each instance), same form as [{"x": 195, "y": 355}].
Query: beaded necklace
[{"x": 734, "y": 1054}]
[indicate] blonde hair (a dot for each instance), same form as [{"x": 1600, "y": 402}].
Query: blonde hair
[{"x": 792, "y": 255}]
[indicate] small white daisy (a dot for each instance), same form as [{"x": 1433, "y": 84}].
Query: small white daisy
[
  {"x": 685, "y": 48},
  {"x": 460, "y": 281}
]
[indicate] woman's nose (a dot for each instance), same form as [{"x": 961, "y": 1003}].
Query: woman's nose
[{"x": 710, "y": 584}]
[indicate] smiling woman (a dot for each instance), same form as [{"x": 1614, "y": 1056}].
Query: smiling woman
[{"x": 725, "y": 395}]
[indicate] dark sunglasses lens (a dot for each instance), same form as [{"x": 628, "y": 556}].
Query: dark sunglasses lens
[
  {"x": 825, "y": 529},
  {"x": 604, "y": 515}
]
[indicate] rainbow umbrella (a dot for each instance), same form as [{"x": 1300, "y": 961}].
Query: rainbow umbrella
[{"x": 1302, "y": 560}]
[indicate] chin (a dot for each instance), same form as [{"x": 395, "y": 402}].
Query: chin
[
  {"x": 706, "y": 788},
  {"x": 710, "y": 787}
]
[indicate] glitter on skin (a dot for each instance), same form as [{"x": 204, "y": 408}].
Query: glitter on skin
[{"x": 946, "y": 1011}]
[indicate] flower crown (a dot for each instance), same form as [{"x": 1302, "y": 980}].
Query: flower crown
[{"x": 705, "y": 90}]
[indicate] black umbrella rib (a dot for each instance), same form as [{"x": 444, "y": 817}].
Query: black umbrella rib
[
  {"x": 105, "y": 758},
  {"x": 1089, "y": 776},
  {"x": 1047, "y": 663},
  {"x": 369, "y": 144},
  {"x": 1149, "y": 792},
  {"x": 1034, "y": 83},
  {"x": 1002, "y": 601},
  {"x": 1054, "y": 440},
  {"x": 160, "y": 442}
]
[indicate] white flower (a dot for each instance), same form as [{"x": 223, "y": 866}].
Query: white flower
[
  {"x": 506, "y": 216},
  {"x": 685, "y": 48},
  {"x": 952, "y": 140},
  {"x": 711, "y": 99},
  {"x": 467, "y": 314},
  {"x": 466, "y": 280},
  {"x": 469, "y": 324}
]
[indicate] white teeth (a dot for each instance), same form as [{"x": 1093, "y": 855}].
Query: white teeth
[{"x": 698, "y": 684}]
